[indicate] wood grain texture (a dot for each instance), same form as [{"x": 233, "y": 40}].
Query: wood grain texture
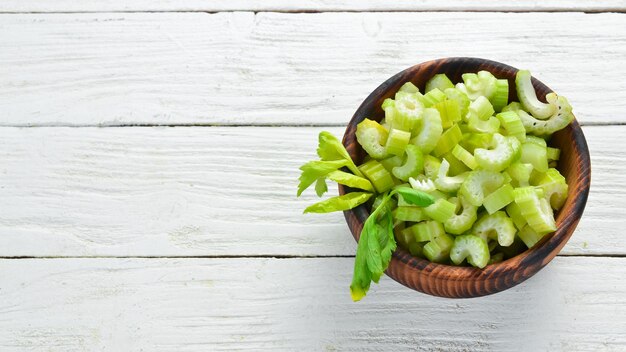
[
  {"x": 297, "y": 304},
  {"x": 211, "y": 191},
  {"x": 39, "y": 6},
  {"x": 273, "y": 68}
]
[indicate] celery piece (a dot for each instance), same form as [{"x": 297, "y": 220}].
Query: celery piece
[
  {"x": 448, "y": 140},
  {"x": 513, "y": 125},
  {"x": 500, "y": 96},
  {"x": 535, "y": 209},
  {"x": 474, "y": 140},
  {"x": 499, "y": 198},
  {"x": 480, "y": 108},
  {"x": 490, "y": 125},
  {"x": 372, "y": 137},
  {"x": 495, "y": 226},
  {"x": 449, "y": 112},
  {"x": 460, "y": 97},
  {"x": 476, "y": 85},
  {"x": 403, "y": 238},
  {"x": 457, "y": 167},
  {"x": 555, "y": 188},
  {"x": 513, "y": 106},
  {"x": 397, "y": 141},
  {"x": 536, "y": 140},
  {"x": 434, "y": 253},
  {"x": 433, "y": 97},
  {"x": 350, "y": 180},
  {"x": 479, "y": 184},
  {"x": 408, "y": 111},
  {"x": 439, "y": 81},
  {"x": 441, "y": 210},
  {"x": 498, "y": 157},
  {"x": 517, "y": 148},
  {"x": 431, "y": 166},
  {"x": 409, "y": 87},
  {"x": 391, "y": 162},
  {"x": 422, "y": 184},
  {"x": 406, "y": 213},
  {"x": 559, "y": 120},
  {"x": 528, "y": 97},
  {"x": 463, "y": 221},
  {"x": 520, "y": 174},
  {"x": 464, "y": 156},
  {"x": 515, "y": 213},
  {"x": 387, "y": 103},
  {"x": 416, "y": 249},
  {"x": 471, "y": 247},
  {"x": 447, "y": 183},
  {"x": 413, "y": 165},
  {"x": 426, "y": 231},
  {"x": 429, "y": 131},
  {"x": 529, "y": 236},
  {"x": 553, "y": 153},
  {"x": 376, "y": 173},
  {"x": 535, "y": 154}
]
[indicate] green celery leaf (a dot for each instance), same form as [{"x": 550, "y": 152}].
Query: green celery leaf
[
  {"x": 362, "y": 277},
  {"x": 415, "y": 197},
  {"x": 313, "y": 170},
  {"x": 371, "y": 232},
  {"x": 320, "y": 186},
  {"x": 345, "y": 202},
  {"x": 330, "y": 148},
  {"x": 351, "y": 180},
  {"x": 388, "y": 240}
]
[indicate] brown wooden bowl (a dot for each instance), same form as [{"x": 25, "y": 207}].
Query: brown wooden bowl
[{"x": 462, "y": 282}]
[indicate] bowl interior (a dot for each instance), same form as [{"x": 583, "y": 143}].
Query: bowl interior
[{"x": 452, "y": 281}]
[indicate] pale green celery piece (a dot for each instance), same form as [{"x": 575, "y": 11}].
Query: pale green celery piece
[
  {"x": 536, "y": 140},
  {"x": 481, "y": 108},
  {"x": 441, "y": 210},
  {"x": 387, "y": 103},
  {"x": 439, "y": 195},
  {"x": 498, "y": 157},
  {"x": 528, "y": 97},
  {"x": 477, "y": 85},
  {"x": 433, "y": 97},
  {"x": 416, "y": 249},
  {"x": 535, "y": 154},
  {"x": 422, "y": 184},
  {"x": 553, "y": 153},
  {"x": 464, "y": 217},
  {"x": 409, "y": 110},
  {"x": 513, "y": 106},
  {"x": 397, "y": 141},
  {"x": 372, "y": 137},
  {"x": 512, "y": 124},
  {"x": 431, "y": 166},
  {"x": 457, "y": 167},
  {"x": 434, "y": 253},
  {"x": 517, "y": 148},
  {"x": 529, "y": 236},
  {"x": 449, "y": 112},
  {"x": 555, "y": 188},
  {"x": 409, "y": 88},
  {"x": 474, "y": 140},
  {"x": 464, "y": 156},
  {"x": 520, "y": 174},
  {"x": 559, "y": 120},
  {"x": 491, "y": 125},
  {"x": 499, "y": 198},
  {"x": 428, "y": 131},
  {"x": 391, "y": 162},
  {"x": 403, "y": 237},
  {"x": 479, "y": 184},
  {"x": 535, "y": 177},
  {"x": 535, "y": 209},
  {"x": 448, "y": 140},
  {"x": 471, "y": 247},
  {"x": 446, "y": 183},
  {"x": 426, "y": 231},
  {"x": 405, "y": 213},
  {"x": 376, "y": 173},
  {"x": 439, "y": 81},
  {"x": 413, "y": 165},
  {"x": 460, "y": 97},
  {"x": 496, "y": 226},
  {"x": 500, "y": 96}
]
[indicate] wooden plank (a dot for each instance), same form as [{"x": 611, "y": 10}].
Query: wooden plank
[
  {"x": 275, "y": 68},
  {"x": 210, "y": 191},
  {"x": 575, "y": 304},
  {"x": 38, "y": 6}
]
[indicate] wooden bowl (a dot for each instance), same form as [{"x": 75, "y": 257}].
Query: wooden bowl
[{"x": 462, "y": 282}]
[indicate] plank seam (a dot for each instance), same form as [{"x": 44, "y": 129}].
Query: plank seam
[
  {"x": 475, "y": 10},
  {"x": 255, "y": 256}
]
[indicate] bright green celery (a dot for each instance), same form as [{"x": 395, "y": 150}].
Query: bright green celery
[
  {"x": 529, "y": 236},
  {"x": 463, "y": 221},
  {"x": 559, "y": 120},
  {"x": 536, "y": 140},
  {"x": 491, "y": 125},
  {"x": 429, "y": 131},
  {"x": 555, "y": 188},
  {"x": 512, "y": 123},
  {"x": 449, "y": 112},
  {"x": 409, "y": 87},
  {"x": 535, "y": 209},
  {"x": 481, "y": 108},
  {"x": 413, "y": 165},
  {"x": 535, "y": 154},
  {"x": 378, "y": 175},
  {"x": 424, "y": 185},
  {"x": 391, "y": 162},
  {"x": 413, "y": 214},
  {"x": 500, "y": 96},
  {"x": 402, "y": 238},
  {"x": 499, "y": 199},
  {"x": 448, "y": 140},
  {"x": 372, "y": 137},
  {"x": 431, "y": 166},
  {"x": 528, "y": 97},
  {"x": 460, "y": 97},
  {"x": 441, "y": 210},
  {"x": 447, "y": 183},
  {"x": 457, "y": 167},
  {"x": 397, "y": 141},
  {"x": 553, "y": 153},
  {"x": 390, "y": 205},
  {"x": 476, "y": 85},
  {"x": 387, "y": 103},
  {"x": 513, "y": 106},
  {"x": 433, "y": 97},
  {"x": 517, "y": 148},
  {"x": 438, "y": 249},
  {"x": 496, "y": 226},
  {"x": 497, "y": 158},
  {"x": 426, "y": 231},
  {"x": 471, "y": 247},
  {"x": 520, "y": 173},
  {"x": 474, "y": 140},
  {"x": 407, "y": 111},
  {"x": 464, "y": 156},
  {"x": 479, "y": 184},
  {"x": 439, "y": 81}
]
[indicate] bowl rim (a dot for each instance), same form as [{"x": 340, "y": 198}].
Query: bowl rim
[{"x": 407, "y": 269}]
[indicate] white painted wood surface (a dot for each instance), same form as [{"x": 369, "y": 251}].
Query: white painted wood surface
[
  {"x": 276, "y": 68},
  {"x": 297, "y": 304}
]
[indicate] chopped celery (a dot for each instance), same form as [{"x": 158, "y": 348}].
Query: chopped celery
[
  {"x": 536, "y": 140},
  {"x": 413, "y": 214},
  {"x": 426, "y": 231},
  {"x": 449, "y": 112},
  {"x": 500, "y": 96},
  {"x": 512, "y": 123},
  {"x": 441, "y": 210},
  {"x": 448, "y": 140},
  {"x": 376, "y": 173},
  {"x": 559, "y": 120},
  {"x": 482, "y": 84},
  {"x": 520, "y": 174},
  {"x": 553, "y": 153},
  {"x": 498, "y": 157},
  {"x": 438, "y": 249},
  {"x": 447, "y": 183},
  {"x": 460, "y": 97},
  {"x": 495, "y": 226},
  {"x": 554, "y": 187},
  {"x": 535, "y": 154},
  {"x": 464, "y": 156},
  {"x": 499, "y": 199},
  {"x": 413, "y": 165},
  {"x": 535, "y": 209},
  {"x": 515, "y": 213},
  {"x": 439, "y": 81},
  {"x": 416, "y": 249},
  {"x": 397, "y": 141},
  {"x": 474, "y": 140},
  {"x": 528, "y": 97},
  {"x": 403, "y": 237},
  {"x": 480, "y": 108},
  {"x": 490, "y": 125},
  {"x": 391, "y": 162},
  {"x": 429, "y": 131},
  {"x": 479, "y": 184},
  {"x": 529, "y": 236},
  {"x": 513, "y": 106},
  {"x": 463, "y": 221},
  {"x": 408, "y": 111},
  {"x": 372, "y": 137},
  {"x": 431, "y": 166},
  {"x": 471, "y": 247},
  {"x": 433, "y": 97},
  {"x": 457, "y": 167},
  {"x": 409, "y": 87},
  {"x": 424, "y": 185}
]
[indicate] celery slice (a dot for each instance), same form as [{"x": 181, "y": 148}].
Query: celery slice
[
  {"x": 476, "y": 85},
  {"x": 397, "y": 141},
  {"x": 460, "y": 97},
  {"x": 372, "y": 137},
  {"x": 515, "y": 213},
  {"x": 439, "y": 81},
  {"x": 378, "y": 175},
  {"x": 495, "y": 226},
  {"x": 431, "y": 166},
  {"x": 426, "y": 231},
  {"x": 497, "y": 158},
  {"x": 535, "y": 209},
  {"x": 491, "y": 125},
  {"x": 433, "y": 97},
  {"x": 438, "y": 250},
  {"x": 464, "y": 156},
  {"x": 474, "y": 140},
  {"x": 513, "y": 125},
  {"x": 528, "y": 97},
  {"x": 391, "y": 162},
  {"x": 424, "y": 185},
  {"x": 413, "y": 165},
  {"x": 408, "y": 110},
  {"x": 554, "y": 187},
  {"x": 449, "y": 112},
  {"x": 499, "y": 199},
  {"x": 553, "y": 153},
  {"x": 441, "y": 210},
  {"x": 413, "y": 214},
  {"x": 480, "y": 108},
  {"x": 535, "y": 154},
  {"x": 448, "y": 140},
  {"x": 559, "y": 120},
  {"x": 471, "y": 247},
  {"x": 403, "y": 237},
  {"x": 409, "y": 87},
  {"x": 446, "y": 183},
  {"x": 430, "y": 130},
  {"x": 520, "y": 173},
  {"x": 529, "y": 236},
  {"x": 459, "y": 223},
  {"x": 513, "y": 106},
  {"x": 479, "y": 184},
  {"x": 536, "y": 140},
  {"x": 500, "y": 96}
]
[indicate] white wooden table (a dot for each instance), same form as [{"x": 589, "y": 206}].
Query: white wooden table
[{"x": 149, "y": 154}]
